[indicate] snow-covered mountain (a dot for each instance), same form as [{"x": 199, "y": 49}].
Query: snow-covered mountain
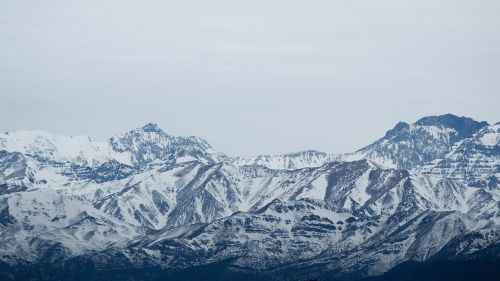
[
  {"x": 146, "y": 201},
  {"x": 78, "y": 149},
  {"x": 138, "y": 147},
  {"x": 407, "y": 146},
  {"x": 291, "y": 161},
  {"x": 150, "y": 143}
]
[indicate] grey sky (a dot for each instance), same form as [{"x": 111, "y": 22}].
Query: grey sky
[{"x": 249, "y": 76}]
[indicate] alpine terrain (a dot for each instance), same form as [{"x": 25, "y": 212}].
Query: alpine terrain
[{"x": 421, "y": 202}]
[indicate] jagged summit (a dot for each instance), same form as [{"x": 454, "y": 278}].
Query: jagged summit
[
  {"x": 399, "y": 127},
  {"x": 150, "y": 143},
  {"x": 410, "y": 145},
  {"x": 464, "y": 126},
  {"x": 152, "y": 127}
]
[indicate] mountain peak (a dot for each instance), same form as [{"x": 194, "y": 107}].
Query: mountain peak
[
  {"x": 465, "y": 126},
  {"x": 409, "y": 145},
  {"x": 151, "y": 128},
  {"x": 399, "y": 127}
]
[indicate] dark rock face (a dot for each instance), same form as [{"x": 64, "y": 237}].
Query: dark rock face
[
  {"x": 111, "y": 170},
  {"x": 465, "y": 127},
  {"x": 13, "y": 166},
  {"x": 400, "y": 126}
]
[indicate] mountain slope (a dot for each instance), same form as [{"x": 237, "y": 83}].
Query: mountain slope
[
  {"x": 475, "y": 160},
  {"x": 147, "y": 205}
]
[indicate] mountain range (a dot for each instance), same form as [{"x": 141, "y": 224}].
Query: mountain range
[{"x": 147, "y": 205}]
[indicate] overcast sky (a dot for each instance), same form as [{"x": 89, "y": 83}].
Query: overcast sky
[{"x": 252, "y": 77}]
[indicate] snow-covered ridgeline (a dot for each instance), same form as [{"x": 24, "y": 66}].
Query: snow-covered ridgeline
[
  {"x": 178, "y": 194},
  {"x": 138, "y": 147}
]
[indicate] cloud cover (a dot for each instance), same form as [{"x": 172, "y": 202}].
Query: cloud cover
[{"x": 250, "y": 76}]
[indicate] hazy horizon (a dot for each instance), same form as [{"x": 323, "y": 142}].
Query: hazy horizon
[{"x": 251, "y": 77}]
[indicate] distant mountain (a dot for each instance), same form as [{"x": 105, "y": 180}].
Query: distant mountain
[
  {"x": 291, "y": 161},
  {"x": 149, "y": 144},
  {"x": 407, "y": 146},
  {"x": 49, "y": 147},
  {"x": 146, "y": 205},
  {"x": 138, "y": 147}
]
